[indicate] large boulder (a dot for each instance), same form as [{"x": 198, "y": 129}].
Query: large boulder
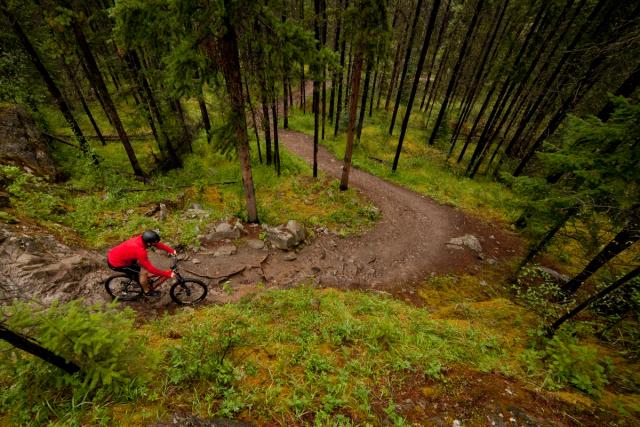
[
  {"x": 39, "y": 268},
  {"x": 286, "y": 237},
  {"x": 469, "y": 241},
  {"x": 223, "y": 231},
  {"x": 22, "y": 144}
]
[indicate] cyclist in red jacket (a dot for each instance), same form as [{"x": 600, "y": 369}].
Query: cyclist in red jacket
[{"x": 130, "y": 257}]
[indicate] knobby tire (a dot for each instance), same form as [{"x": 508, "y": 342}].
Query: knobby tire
[
  {"x": 123, "y": 288},
  {"x": 188, "y": 292}
]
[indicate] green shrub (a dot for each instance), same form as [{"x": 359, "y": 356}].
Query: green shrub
[
  {"x": 100, "y": 340},
  {"x": 567, "y": 363}
]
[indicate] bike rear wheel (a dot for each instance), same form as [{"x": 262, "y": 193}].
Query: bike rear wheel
[
  {"x": 188, "y": 291},
  {"x": 123, "y": 288}
]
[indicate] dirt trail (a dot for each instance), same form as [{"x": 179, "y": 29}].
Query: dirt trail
[{"x": 404, "y": 247}]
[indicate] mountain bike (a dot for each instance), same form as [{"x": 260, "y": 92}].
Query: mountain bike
[{"x": 185, "y": 290}]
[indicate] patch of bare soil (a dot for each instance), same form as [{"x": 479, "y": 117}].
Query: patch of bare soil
[
  {"x": 405, "y": 246},
  {"x": 408, "y": 244},
  {"x": 486, "y": 399}
]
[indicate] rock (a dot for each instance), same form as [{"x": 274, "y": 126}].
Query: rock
[
  {"x": 195, "y": 261},
  {"x": 255, "y": 243},
  {"x": 226, "y": 250},
  {"x": 558, "y": 277},
  {"x": 197, "y": 207},
  {"x": 223, "y": 231},
  {"x": 22, "y": 144},
  {"x": 492, "y": 261},
  {"x": 290, "y": 257},
  {"x": 297, "y": 229},
  {"x": 29, "y": 259},
  {"x": 456, "y": 423},
  {"x": 470, "y": 241},
  {"x": 281, "y": 239},
  {"x": 238, "y": 226},
  {"x": 163, "y": 212}
]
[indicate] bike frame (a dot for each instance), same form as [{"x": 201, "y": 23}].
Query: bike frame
[{"x": 157, "y": 281}]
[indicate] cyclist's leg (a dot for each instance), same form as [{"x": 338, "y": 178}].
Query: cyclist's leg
[
  {"x": 144, "y": 279},
  {"x": 133, "y": 271}
]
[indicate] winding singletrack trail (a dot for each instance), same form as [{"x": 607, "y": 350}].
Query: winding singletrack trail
[{"x": 403, "y": 248}]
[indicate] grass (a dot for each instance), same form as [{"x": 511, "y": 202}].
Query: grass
[
  {"x": 105, "y": 204},
  {"x": 306, "y": 355},
  {"x": 422, "y": 168}
]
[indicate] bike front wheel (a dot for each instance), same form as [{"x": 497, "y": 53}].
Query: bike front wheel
[
  {"x": 122, "y": 287},
  {"x": 188, "y": 291}
]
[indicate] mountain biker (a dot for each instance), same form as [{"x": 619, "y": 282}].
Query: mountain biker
[{"x": 130, "y": 257}]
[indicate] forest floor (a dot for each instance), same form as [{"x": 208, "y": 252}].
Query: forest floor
[{"x": 407, "y": 245}]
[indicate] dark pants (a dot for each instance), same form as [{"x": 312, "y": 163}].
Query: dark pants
[{"x": 132, "y": 271}]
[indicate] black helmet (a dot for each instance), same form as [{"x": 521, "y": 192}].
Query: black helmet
[{"x": 149, "y": 237}]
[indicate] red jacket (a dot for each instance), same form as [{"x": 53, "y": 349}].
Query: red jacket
[{"x": 134, "y": 249}]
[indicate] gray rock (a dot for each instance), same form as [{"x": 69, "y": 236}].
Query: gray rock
[
  {"x": 290, "y": 257},
  {"x": 281, "y": 239},
  {"x": 469, "y": 241},
  {"x": 223, "y": 231},
  {"x": 557, "y": 276},
  {"x": 195, "y": 261},
  {"x": 226, "y": 250},
  {"x": 297, "y": 229},
  {"x": 255, "y": 243},
  {"x": 163, "y": 212},
  {"x": 22, "y": 144}
]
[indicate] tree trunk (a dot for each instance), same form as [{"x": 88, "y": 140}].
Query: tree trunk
[
  {"x": 336, "y": 45},
  {"x": 276, "y": 145},
  {"x": 363, "y": 102},
  {"x": 85, "y": 107},
  {"x": 230, "y": 65},
  {"x": 205, "y": 115},
  {"x": 416, "y": 80},
  {"x": 96, "y": 79},
  {"x": 434, "y": 88},
  {"x": 340, "y": 75},
  {"x": 316, "y": 89},
  {"x": 570, "y": 51},
  {"x": 626, "y": 89},
  {"x": 51, "y": 85},
  {"x": 586, "y": 303},
  {"x": 373, "y": 88},
  {"x": 253, "y": 119},
  {"x": 443, "y": 25},
  {"x": 456, "y": 71},
  {"x": 396, "y": 65},
  {"x": 353, "y": 107},
  {"x": 403, "y": 74},
  {"x": 548, "y": 236},
  {"x": 469, "y": 99},
  {"x": 507, "y": 88},
  {"x": 323, "y": 31},
  {"x": 30, "y": 346},
  {"x": 624, "y": 239},
  {"x": 169, "y": 151}
]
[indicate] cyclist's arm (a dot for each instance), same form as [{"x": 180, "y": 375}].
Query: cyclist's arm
[
  {"x": 146, "y": 264},
  {"x": 165, "y": 248}
]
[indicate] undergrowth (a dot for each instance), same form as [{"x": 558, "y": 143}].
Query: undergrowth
[
  {"x": 422, "y": 168},
  {"x": 104, "y": 205},
  {"x": 300, "y": 356}
]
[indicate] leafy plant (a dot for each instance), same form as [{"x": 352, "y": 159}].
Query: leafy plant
[
  {"x": 100, "y": 340},
  {"x": 567, "y": 363}
]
